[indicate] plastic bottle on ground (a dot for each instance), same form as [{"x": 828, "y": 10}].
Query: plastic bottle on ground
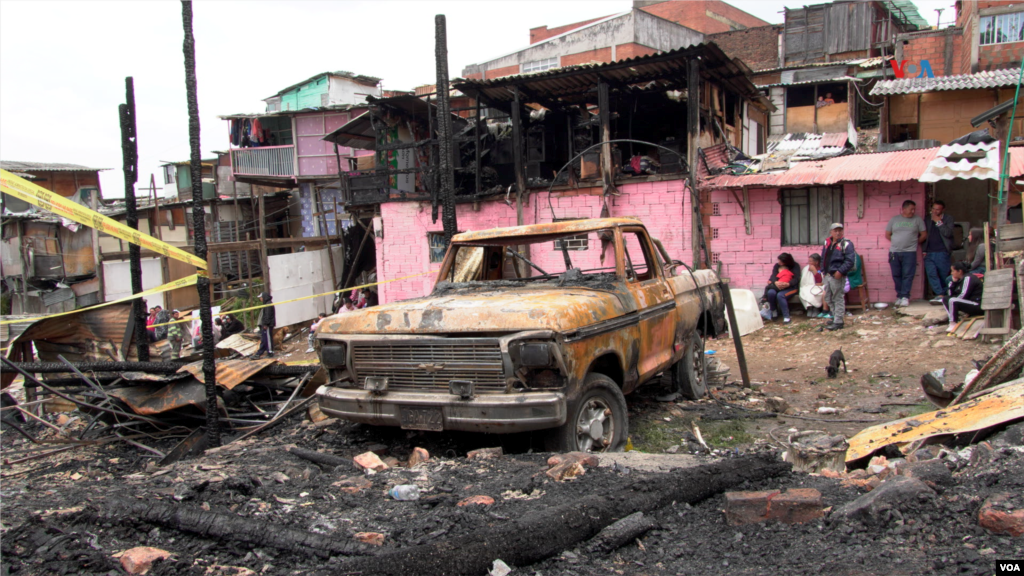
[{"x": 405, "y": 492}]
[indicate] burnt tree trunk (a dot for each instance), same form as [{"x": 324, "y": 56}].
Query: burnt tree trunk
[
  {"x": 548, "y": 531},
  {"x": 130, "y": 165},
  {"x": 199, "y": 226},
  {"x": 444, "y": 132}
]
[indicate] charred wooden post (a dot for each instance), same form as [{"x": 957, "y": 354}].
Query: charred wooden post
[
  {"x": 692, "y": 144},
  {"x": 264, "y": 258},
  {"x": 605, "y": 116},
  {"x": 476, "y": 150},
  {"x": 130, "y": 165},
  {"x": 199, "y": 225},
  {"x": 319, "y": 208},
  {"x": 444, "y": 131},
  {"x": 520, "y": 168}
]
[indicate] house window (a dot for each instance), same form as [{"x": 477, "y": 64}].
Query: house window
[
  {"x": 807, "y": 214},
  {"x": 169, "y": 174},
  {"x": 573, "y": 242},
  {"x": 272, "y": 106},
  {"x": 540, "y": 65},
  {"x": 1002, "y": 28},
  {"x": 437, "y": 246}
]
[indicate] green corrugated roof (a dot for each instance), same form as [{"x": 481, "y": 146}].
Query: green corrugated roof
[{"x": 910, "y": 11}]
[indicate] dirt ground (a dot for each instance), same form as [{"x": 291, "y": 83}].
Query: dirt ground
[{"x": 59, "y": 515}]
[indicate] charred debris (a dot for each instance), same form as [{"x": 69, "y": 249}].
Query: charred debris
[{"x": 514, "y": 134}]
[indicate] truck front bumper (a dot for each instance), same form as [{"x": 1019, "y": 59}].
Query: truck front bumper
[{"x": 493, "y": 413}]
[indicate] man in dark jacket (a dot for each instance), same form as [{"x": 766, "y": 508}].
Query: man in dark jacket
[
  {"x": 266, "y": 323},
  {"x": 938, "y": 249},
  {"x": 838, "y": 258},
  {"x": 231, "y": 326}
]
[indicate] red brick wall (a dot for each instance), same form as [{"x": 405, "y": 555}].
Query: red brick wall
[
  {"x": 598, "y": 55},
  {"x": 541, "y": 33},
  {"x": 475, "y": 76},
  {"x": 499, "y": 72},
  {"x": 632, "y": 50},
  {"x": 931, "y": 46},
  {"x": 757, "y": 47},
  {"x": 694, "y": 15}
]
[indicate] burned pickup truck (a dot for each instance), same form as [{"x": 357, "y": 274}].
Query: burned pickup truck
[{"x": 541, "y": 327}]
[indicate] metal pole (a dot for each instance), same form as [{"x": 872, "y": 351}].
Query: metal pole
[
  {"x": 520, "y": 167},
  {"x": 130, "y": 165},
  {"x": 199, "y": 225},
  {"x": 94, "y": 204},
  {"x": 319, "y": 207},
  {"x": 444, "y": 129}
]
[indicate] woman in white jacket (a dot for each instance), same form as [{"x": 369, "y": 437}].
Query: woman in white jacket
[{"x": 811, "y": 289}]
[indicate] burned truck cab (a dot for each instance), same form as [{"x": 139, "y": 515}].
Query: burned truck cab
[{"x": 541, "y": 327}]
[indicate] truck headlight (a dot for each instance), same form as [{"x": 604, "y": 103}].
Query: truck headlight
[
  {"x": 333, "y": 355},
  {"x": 533, "y": 355}
]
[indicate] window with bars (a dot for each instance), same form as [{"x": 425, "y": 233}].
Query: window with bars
[
  {"x": 1002, "y": 28},
  {"x": 540, "y": 65},
  {"x": 437, "y": 246},
  {"x": 807, "y": 214}
]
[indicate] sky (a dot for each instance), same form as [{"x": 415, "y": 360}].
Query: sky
[{"x": 63, "y": 64}]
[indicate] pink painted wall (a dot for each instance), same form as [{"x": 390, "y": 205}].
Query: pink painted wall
[
  {"x": 316, "y": 157},
  {"x": 747, "y": 260},
  {"x": 404, "y": 248}
]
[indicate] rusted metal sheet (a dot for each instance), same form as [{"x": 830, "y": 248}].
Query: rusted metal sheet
[
  {"x": 545, "y": 229},
  {"x": 86, "y": 336},
  {"x": 998, "y": 407},
  {"x": 150, "y": 399},
  {"x": 899, "y": 166},
  {"x": 230, "y": 373},
  {"x": 239, "y": 344}
]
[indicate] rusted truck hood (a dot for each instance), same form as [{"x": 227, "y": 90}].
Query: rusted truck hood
[{"x": 500, "y": 310}]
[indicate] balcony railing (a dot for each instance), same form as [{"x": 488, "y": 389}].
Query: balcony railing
[{"x": 265, "y": 161}]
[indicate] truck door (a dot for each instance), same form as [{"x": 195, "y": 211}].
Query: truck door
[{"x": 655, "y": 302}]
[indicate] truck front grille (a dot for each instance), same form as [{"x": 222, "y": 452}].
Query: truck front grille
[{"x": 430, "y": 366}]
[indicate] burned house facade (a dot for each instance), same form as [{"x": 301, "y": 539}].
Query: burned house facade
[{"x": 585, "y": 141}]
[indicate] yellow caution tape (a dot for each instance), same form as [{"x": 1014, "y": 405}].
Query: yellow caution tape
[
  {"x": 61, "y": 206},
  {"x": 180, "y": 283},
  {"x": 360, "y": 287}
]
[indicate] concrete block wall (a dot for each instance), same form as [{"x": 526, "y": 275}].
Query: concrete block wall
[
  {"x": 747, "y": 260},
  {"x": 404, "y": 249}
]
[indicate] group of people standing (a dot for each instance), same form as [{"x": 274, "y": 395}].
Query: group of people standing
[
  {"x": 159, "y": 326},
  {"x": 957, "y": 286}
]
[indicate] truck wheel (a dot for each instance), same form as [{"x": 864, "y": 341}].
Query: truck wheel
[
  {"x": 689, "y": 375},
  {"x": 597, "y": 419}
]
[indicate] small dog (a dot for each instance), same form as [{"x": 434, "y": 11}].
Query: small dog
[{"x": 833, "y": 363}]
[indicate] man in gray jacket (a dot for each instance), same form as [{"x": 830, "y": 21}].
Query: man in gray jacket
[{"x": 938, "y": 250}]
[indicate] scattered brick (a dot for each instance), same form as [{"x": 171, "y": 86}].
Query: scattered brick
[
  {"x": 371, "y": 538},
  {"x": 418, "y": 456},
  {"x": 570, "y": 465},
  {"x": 476, "y": 500},
  {"x": 140, "y": 559},
  {"x": 795, "y": 506},
  {"x": 998, "y": 515},
  {"x": 370, "y": 461},
  {"x": 484, "y": 453},
  {"x": 353, "y": 484},
  {"x": 747, "y": 507}
]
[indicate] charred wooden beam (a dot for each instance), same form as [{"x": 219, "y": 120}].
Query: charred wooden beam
[
  {"x": 444, "y": 131},
  {"x": 147, "y": 367},
  {"x": 548, "y": 531}
]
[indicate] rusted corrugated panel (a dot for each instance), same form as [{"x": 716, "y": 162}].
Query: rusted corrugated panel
[
  {"x": 149, "y": 399},
  {"x": 89, "y": 335},
  {"x": 230, "y": 373},
  {"x": 240, "y": 344},
  {"x": 1000, "y": 406},
  {"x": 899, "y": 166},
  {"x": 834, "y": 139}
]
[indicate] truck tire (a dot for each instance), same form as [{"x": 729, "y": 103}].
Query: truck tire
[
  {"x": 689, "y": 375},
  {"x": 596, "y": 421}
]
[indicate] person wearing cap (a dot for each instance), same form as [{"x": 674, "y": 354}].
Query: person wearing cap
[
  {"x": 838, "y": 258},
  {"x": 175, "y": 335}
]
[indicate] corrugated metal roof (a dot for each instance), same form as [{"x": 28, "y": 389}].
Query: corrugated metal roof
[
  {"x": 341, "y": 73},
  {"x": 15, "y": 166},
  {"x": 987, "y": 79},
  {"x": 946, "y": 165},
  {"x": 877, "y": 167},
  {"x": 820, "y": 81},
  {"x": 331, "y": 108},
  {"x": 574, "y": 84},
  {"x": 910, "y": 11}
]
